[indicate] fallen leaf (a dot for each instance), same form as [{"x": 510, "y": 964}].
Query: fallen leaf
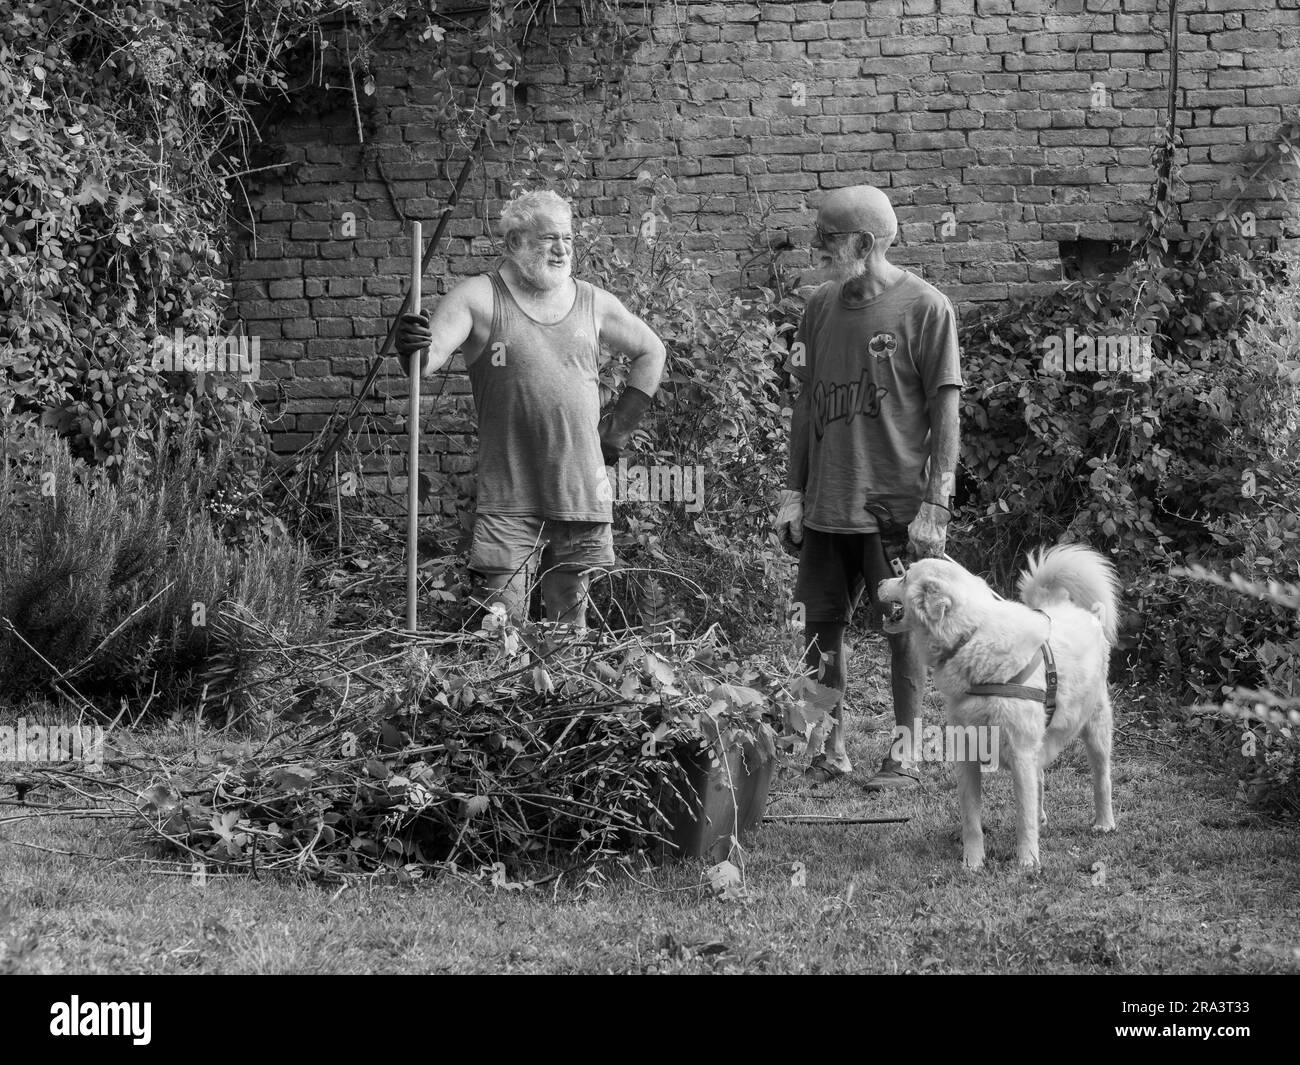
[{"x": 724, "y": 878}]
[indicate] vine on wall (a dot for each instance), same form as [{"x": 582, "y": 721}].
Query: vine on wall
[{"x": 131, "y": 136}]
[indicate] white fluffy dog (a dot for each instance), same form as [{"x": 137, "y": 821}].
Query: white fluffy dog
[{"x": 976, "y": 639}]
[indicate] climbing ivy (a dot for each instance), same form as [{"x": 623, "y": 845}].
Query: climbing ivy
[{"x": 132, "y": 135}]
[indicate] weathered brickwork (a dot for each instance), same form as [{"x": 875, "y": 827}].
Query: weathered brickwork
[{"x": 999, "y": 128}]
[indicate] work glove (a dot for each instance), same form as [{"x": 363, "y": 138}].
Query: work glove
[
  {"x": 616, "y": 427},
  {"x": 928, "y": 533},
  {"x": 413, "y": 335},
  {"x": 789, "y": 519}
]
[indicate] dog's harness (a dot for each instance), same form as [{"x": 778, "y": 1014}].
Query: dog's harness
[{"x": 1016, "y": 688}]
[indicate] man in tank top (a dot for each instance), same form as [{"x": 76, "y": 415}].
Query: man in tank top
[{"x": 531, "y": 335}]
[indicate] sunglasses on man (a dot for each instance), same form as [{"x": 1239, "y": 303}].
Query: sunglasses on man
[{"x": 822, "y": 234}]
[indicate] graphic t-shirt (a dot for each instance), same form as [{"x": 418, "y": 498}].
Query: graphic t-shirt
[{"x": 871, "y": 368}]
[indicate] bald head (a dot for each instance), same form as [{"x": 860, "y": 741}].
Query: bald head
[{"x": 860, "y": 209}]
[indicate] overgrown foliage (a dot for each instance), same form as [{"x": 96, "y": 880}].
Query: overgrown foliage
[
  {"x": 1257, "y": 722},
  {"x": 119, "y": 588},
  {"x": 113, "y": 195},
  {"x": 1116, "y": 460},
  {"x": 718, "y": 416}
]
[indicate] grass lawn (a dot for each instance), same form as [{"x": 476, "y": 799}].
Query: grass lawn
[{"x": 1191, "y": 882}]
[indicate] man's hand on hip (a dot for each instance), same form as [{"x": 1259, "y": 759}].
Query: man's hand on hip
[
  {"x": 615, "y": 427},
  {"x": 928, "y": 533}
]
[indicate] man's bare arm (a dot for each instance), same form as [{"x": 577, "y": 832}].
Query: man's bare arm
[
  {"x": 928, "y": 531},
  {"x": 797, "y": 477},
  {"x": 625, "y": 333},
  {"x": 945, "y": 444},
  {"x": 449, "y": 326}
]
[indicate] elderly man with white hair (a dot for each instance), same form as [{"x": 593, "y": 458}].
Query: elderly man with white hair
[
  {"x": 531, "y": 335},
  {"x": 873, "y": 450}
]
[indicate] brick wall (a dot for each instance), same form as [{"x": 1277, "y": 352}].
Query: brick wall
[{"x": 999, "y": 129}]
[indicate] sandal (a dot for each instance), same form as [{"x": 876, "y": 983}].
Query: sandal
[
  {"x": 822, "y": 771},
  {"x": 894, "y": 775}
]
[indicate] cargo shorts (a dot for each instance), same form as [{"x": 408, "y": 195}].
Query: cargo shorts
[{"x": 509, "y": 543}]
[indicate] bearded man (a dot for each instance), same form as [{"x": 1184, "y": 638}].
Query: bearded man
[
  {"x": 873, "y": 450},
  {"x": 531, "y": 335}
]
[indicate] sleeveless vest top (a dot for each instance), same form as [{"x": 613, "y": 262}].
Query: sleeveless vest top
[{"x": 536, "y": 391}]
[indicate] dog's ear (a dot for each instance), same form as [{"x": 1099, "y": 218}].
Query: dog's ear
[{"x": 934, "y": 602}]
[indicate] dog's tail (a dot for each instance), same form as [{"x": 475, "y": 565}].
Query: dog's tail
[{"x": 1076, "y": 573}]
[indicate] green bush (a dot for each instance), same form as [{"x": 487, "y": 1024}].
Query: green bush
[
  {"x": 113, "y": 200},
  {"x": 125, "y": 589},
  {"x": 1106, "y": 458},
  {"x": 1255, "y": 721},
  {"x": 720, "y": 407}
]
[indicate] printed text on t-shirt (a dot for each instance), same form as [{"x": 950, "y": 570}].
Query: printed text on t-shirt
[{"x": 832, "y": 403}]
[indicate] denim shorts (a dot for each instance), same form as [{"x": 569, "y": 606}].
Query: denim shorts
[{"x": 517, "y": 543}]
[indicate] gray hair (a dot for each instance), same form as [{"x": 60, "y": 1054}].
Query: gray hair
[{"x": 521, "y": 213}]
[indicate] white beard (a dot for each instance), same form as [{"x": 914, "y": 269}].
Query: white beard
[
  {"x": 845, "y": 267},
  {"x": 540, "y": 273}
]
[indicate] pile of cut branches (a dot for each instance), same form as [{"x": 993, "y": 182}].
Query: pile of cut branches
[{"x": 523, "y": 749}]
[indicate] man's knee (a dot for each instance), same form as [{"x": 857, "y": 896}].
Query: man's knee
[
  {"x": 565, "y": 584},
  {"x": 508, "y": 589}
]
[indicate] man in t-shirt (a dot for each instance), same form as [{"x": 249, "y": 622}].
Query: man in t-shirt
[
  {"x": 531, "y": 336},
  {"x": 873, "y": 449}
]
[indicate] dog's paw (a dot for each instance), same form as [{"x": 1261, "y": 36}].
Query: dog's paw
[
  {"x": 973, "y": 860},
  {"x": 1102, "y": 829},
  {"x": 1030, "y": 865}
]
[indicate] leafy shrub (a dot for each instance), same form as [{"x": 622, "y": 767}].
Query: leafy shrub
[
  {"x": 1259, "y": 714},
  {"x": 1107, "y": 458},
  {"x": 100, "y": 250},
  {"x": 114, "y": 227},
  {"x": 117, "y": 589},
  {"x": 1199, "y": 637},
  {"x": 719, "y": 407}
]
